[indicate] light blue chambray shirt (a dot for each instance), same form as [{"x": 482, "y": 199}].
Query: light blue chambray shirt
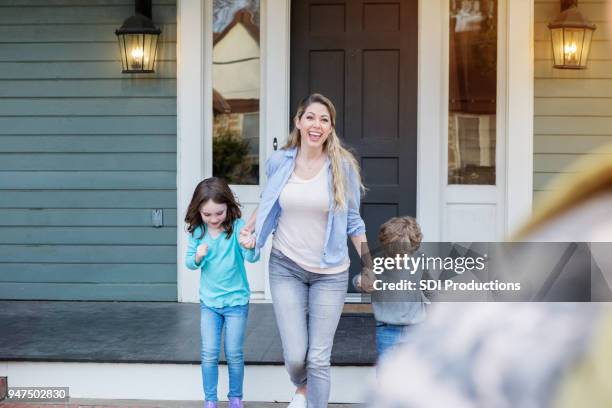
[{"x": 340, "y": 223}]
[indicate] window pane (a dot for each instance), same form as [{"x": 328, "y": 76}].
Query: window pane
[
  {"x": 236, "y": 82},
  {"x": 472, "y": 91}
]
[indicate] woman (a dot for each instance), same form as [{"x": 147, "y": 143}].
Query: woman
[{"x": 311, "y": 202}]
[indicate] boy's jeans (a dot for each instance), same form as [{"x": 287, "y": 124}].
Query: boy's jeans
[
  {"x": 212, "y": 320},
  {"x": 307, "y": 306},
  {"x": 390, "y": 335}
]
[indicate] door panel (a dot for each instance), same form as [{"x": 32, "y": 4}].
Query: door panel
[{"x": 362, "y": 54}]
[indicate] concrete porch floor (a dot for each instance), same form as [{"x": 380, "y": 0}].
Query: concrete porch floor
[{"x": 153, "y": 332}]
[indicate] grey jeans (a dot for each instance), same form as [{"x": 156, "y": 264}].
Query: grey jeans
[{"x": 307, "y": 306}]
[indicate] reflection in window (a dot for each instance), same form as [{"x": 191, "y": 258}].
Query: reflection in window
[
  {"x": 236, "y": 83},
  {"x": 472, "y": 92}
]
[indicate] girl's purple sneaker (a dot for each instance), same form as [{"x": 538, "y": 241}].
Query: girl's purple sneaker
[
  {"x": 235, "y": 402},
  {"x": 210, "y": 404}
]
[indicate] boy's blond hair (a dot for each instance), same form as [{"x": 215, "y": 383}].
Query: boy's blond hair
[{"x": 404, "y": 230}]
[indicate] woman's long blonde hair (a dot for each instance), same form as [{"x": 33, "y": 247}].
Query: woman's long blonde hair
[{"x": 337, "y": 153}]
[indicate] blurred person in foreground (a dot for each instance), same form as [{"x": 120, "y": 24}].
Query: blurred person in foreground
[{"x": 546, "y": 354}]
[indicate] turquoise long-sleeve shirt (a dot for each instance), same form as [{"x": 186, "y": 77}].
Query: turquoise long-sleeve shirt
[{"x": 223, "y": 280}]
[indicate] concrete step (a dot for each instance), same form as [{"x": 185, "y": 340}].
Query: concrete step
[
  {"x": 177, "y": 382},
  {"x": 113, "y": 403}
]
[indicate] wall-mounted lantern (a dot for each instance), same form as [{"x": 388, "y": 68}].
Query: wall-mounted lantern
[
  {"x": 138, "y": 38},
  {"x": 571, "y": 36}
]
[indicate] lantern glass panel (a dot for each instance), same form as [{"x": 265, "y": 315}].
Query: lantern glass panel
[
  {"x": 557, "y": 41},
  {"x": 573, "y": 39},
  {"x": 150, "y": 47},
  {"x": 586, "y": 48},
  {"x": 135, "y": 51},
  {"x": 122, "y": 48}
]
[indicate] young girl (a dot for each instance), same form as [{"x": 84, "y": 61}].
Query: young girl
[{"x": 214, "y": 223}]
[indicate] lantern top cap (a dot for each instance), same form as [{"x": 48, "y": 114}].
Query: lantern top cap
[
  {"x": 571, "y": 18},
  {"x": 138, "y": 24}
]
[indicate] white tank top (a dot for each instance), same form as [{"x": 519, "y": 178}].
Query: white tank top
[{"x": 300, "y": 233}]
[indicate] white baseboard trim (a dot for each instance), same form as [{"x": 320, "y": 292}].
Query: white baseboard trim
[{"x": 174, "y": 381}]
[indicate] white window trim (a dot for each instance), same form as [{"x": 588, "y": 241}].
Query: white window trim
[
  {"x": 276, "y": 88},
  {"x": 515, "y": 123},
  {"x": 474, "y": 196}
]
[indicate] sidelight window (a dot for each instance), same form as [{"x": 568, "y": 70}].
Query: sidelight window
[
  {"x": 236, "y": 90},
  {"x": 472, "y": 92}
]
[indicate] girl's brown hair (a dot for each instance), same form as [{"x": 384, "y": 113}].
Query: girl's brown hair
[
  {"x": 332, "y": 146},
  {"x": 217, "y": 190}
]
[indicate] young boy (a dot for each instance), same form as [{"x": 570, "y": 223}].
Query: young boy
[{"x": 398, "y": 310}]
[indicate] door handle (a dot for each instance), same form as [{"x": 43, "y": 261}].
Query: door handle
[{"x": 275, "y": 144}]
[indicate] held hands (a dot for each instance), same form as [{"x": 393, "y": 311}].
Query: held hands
[
  {"x": 365, "y": 281},
  {"x": 201, "y": 253},
  {"x": 246, "y": 239}
]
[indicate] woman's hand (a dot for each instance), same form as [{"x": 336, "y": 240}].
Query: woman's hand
[
  {"x": 366, "y": 280},
  {"x": 367, "y": 277},
  {"x": 201, "y": 252}
]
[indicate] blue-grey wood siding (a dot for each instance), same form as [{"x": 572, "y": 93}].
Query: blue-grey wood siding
[{"x": 86, "y": 154}]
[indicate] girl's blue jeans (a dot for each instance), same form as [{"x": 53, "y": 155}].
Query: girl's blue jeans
[{"x": 212, "y": 320}]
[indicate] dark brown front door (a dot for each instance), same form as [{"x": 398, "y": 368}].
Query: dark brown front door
[{"x": 362, "y": 54}]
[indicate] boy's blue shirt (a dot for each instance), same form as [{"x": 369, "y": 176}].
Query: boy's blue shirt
[
  {"x": 223, "y": 280},
  {"x": 340, "y": 223}
]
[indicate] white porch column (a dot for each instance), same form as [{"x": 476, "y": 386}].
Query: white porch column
[
  {"x": 431, "y": 105},
  {"x": 190, "y": 129},
  {"x": 519, "y": 151}
]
